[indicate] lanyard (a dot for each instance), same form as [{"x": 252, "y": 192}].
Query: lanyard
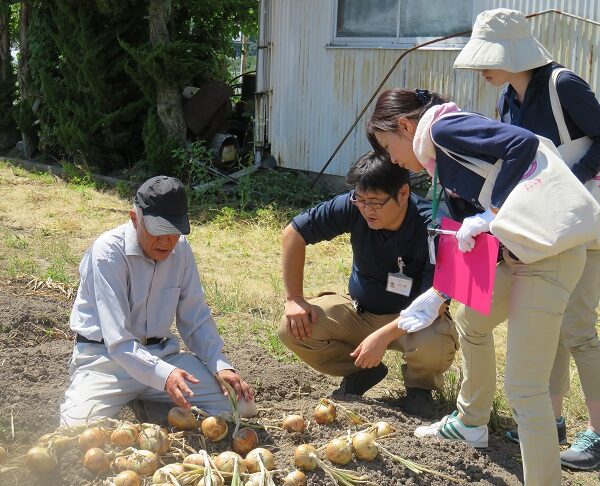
[{"x": 435, "y": 204}]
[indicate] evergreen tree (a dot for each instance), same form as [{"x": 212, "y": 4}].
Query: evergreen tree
[{"x": 8, "y": 79}]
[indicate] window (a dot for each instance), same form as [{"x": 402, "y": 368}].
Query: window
[{"x": 400, "y": 23}]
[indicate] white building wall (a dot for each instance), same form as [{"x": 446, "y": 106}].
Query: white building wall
[{"x": 315, "y": 92}]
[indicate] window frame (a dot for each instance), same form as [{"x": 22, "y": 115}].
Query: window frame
[{"x": 388, "y": 42}]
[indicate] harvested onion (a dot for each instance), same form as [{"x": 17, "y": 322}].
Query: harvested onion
[
  {"x": 162, "y": 475},
  {"x": 125, "y": 435},
  {"x": 154, "y": 439},
  {"x": 142, "y": 462},
  {"x": 252, "y": 461},
  {"x": 181, "y": 419},
  {"x": 40, "y": 460},
  {"x": 303, "y": 459},
  {"x": 214, "y": 428},
  {"x": 295, "y": 478},
  {"x": 294, "y": 423},
  {"x": 324, "y": 413},
  {"x": 382, "y": 429},
  {"x": 363, "y": 445},
  {"x": 96, "y": 460},
  {"x": 226, "y": 461},
  {"x": 92, "y": 437},
  {"x": 245, "y": 440},
  {"x": 127, "y": 478},
  {"x": 339, "y": 451},
  {"x": 255, "y": 479},
  {"x": 215, "y": 481},
  {"x": 3, "y": 455},
  {"x": 197, "y": 459}
]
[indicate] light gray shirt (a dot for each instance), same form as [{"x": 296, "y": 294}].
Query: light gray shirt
[{"x": 125, "y": 297}]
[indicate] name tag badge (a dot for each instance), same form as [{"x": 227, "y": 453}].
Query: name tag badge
[{"x": 399, "y": 283}]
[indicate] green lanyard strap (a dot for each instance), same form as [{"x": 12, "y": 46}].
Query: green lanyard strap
[{"x": 436, "y": 199}]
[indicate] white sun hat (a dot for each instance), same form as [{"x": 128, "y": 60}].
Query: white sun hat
[{"x": 502, "y": 39}]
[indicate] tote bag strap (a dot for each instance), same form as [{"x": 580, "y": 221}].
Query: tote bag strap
[{"x": 557, "y": 111}]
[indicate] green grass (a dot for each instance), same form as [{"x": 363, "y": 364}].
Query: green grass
[{"x": 47, "y": 223}]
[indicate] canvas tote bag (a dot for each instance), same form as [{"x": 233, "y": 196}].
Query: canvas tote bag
[
  {"x": 549, "y": 211},
  {"x": 572, "y": 151}
]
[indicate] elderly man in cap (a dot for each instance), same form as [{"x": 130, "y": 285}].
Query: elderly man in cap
[{"x": 135, "y": 280}]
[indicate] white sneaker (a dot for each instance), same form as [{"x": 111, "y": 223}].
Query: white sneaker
[{"x": 451, "y": 428}]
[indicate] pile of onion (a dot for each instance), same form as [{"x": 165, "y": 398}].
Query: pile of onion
[
  {"x": 92, "y": 437},
  {"x": 141, "y": 462},
  {"x": 295, "y": 478},
  {"x": 40, "y": 460},
  {"x": 255, "y": 479},
  {"x": 245, "y": 440},
  {"x": 197, "y": 459},
  {"x": 215, "y": 481},
  {"x": 363, "y": 445},
  {"x": 214, "y": 428},
  {"x": 294, "y": 423},
  {"x": 226, "y": 461},
  {"x": 182, "y": 419},
  {"x": 339, "y": 451},
  {"x": 125, "y": 435},
  {"x": 154, "y": 439},
  {"x": 127, "y": 478},
  {"x": 303, "y": 459},
  {"x": 96, "y": 460},
  {"x": 324, "y": 413},
  {"x": 252, "y": 460}
]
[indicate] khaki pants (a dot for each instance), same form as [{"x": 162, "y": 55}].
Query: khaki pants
[
  {"x": 533, "y": 297},
  {"x": 339, "y": 329},
  {"x": 579, "y": 336}
]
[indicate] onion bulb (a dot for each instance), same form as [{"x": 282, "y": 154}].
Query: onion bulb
[
  {"x": 127, "y": 478},
  {"x": 303, "y": 459},
  {"x": 214, "y": 428},
  {"x": 3, "y": 455},
  {"x": 125, "y": 435},
  {"x": 96, "y": 460},
  {"x": 245, "y": 440},
  {"x": 324, "y": 414},
  {"x": 197, "y": 459},
  {"x": 252, "y": 461},
  {"x": 226, "y": 460},
  {"x": 382, "y": 429},
  {"x": 339, "y": 451},
  {"x": 154, "y": 439},
  {"x": 364, "y": 446},
  {"x": 181, "y": 419},
  {"x": 142, "y": 462},
  {"x": 92, "y": 437},
  {"x": 216, "y": 481},
  {"x": 162, "y": 475},
  {"x": 40, "y": 460},
  {"x": 294, "y": 423},
  {"x": 295, "y": 478},
  {"x": 254, "y": 479}
]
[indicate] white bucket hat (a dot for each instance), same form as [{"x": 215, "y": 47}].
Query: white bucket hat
[{"x": 502, "y": 39}]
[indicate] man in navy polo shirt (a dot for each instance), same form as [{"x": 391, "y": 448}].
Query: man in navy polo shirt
[{"x": 347, "y": 335}]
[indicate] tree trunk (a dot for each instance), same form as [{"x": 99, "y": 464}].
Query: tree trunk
[
  {"x": 168, "y": 96},
  {"x": 5, "y": 60},
  {"x": 25, "y": 90}
]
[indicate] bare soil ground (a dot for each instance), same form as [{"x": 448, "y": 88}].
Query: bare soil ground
[{"x": 35, "y": 346}]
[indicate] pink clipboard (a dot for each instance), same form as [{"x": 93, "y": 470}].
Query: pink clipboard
[{"x": 466, "y": 277}]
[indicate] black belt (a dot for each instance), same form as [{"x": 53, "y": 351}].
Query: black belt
[{"x": 147, "y": 342}]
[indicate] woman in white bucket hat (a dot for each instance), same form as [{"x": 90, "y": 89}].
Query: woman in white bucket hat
[{"x": 504, "y": 49}]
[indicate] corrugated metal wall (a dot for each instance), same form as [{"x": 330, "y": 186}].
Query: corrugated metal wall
[{"x": 315, "y": 91}]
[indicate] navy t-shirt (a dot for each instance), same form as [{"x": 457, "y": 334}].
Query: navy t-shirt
[{"x": 375, "y": 252}]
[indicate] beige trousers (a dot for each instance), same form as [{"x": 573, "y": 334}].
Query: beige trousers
[
  {"x": 579, "y": 336},
  {"x": 339, "y": 329},
  {"x": 533, "y": 297}
]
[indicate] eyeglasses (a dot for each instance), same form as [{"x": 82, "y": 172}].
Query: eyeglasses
[{"x": 368, "y": 204}]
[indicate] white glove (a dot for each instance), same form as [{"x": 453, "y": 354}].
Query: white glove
[
  {"x": 421, "y": 312},
  {"x": 471, "y": 227}
]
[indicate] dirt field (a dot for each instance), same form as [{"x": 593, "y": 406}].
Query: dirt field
[{"x": 35, "y": 346}]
